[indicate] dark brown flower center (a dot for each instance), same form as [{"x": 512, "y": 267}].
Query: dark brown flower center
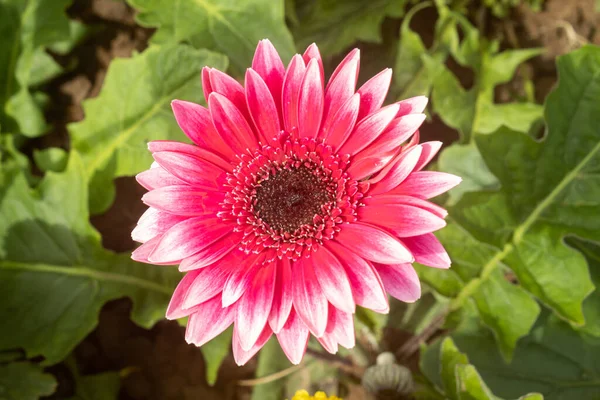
[{"x": 290, "y": 198}]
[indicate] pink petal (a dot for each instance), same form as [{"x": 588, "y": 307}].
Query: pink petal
[
  {"x": 228, "y": 87},
  {"x": 388, "y": 199},
  {"x": 400, "y": 281},
  {"x": 212, "y": 253},
  {"x": 333, "y": 280},
  {"x": 310, "y": 102},
  {"x": 208, "y": 321},
  {"x": 337, "y": 129},
  {"x": 206, "y": 86},
  {"x": 361, "y": 168},
  {"x": 403, "y": 220},
  {"x": 312, "y": 53},
  {"x": 397, "y": 132},
  {"x": 329, "y": 343},
  {"x": 413, "y": 105},
  {"x": 255, "y": 305},
  {"x": 190, "y": 169},
  {"x": 341, "y": 85},
  {"x": 430, "y": 149},
  {"x": 368, "y": 129},
  {"x": 157, "y": 177},
  {"x": 241, "y": 278},
  {"x": 195, "y": 121},
  {"x": 396, "y": 172},
  {"x": 309, "y": 300},
  {"x": 262, "y": 107},
  {"x": 341, "y": 327},
  {"x": 188, "y": 238},
  {"x": 242, "y": 356},
  {"x": 373, "y": 92},
  {"x": 184, "y": 200},
  {"x": 175, "y": 309},
  {"x": 427, "y": 184},
  {"x": 209, "y": 282},
  {"x": 367, "y": 288},
  {"x": 269, "y": 66},
  {"x": 141, "y": 253},
  {"x": 428, "y": 250},
  {"x": 291, "y": 89},
  {"x": 293, "y": 338},
  {"x": 282, "y": 298},
  {"x": 178, "y": 147},
  {"x": 153, "y": 223},
  {"x": 231, "y": 124},
  {"x": 373, "y": 244}
]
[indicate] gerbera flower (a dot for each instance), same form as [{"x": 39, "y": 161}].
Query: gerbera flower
[{"x": 295, "y": 203}]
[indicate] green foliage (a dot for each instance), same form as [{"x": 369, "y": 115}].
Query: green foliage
[
  {"x": 554, "y": 360},
  {"x": 523, "y": 226},
  {"x": 271, "y": 360},
  {"x": 56, "y": 274},
  {"x": 27, "y": 28},
  {"x": 214, "y": 353},
  {"x": 335, "y": 25},
  {"x": 459, "y": 379},
  {"x": 23, "y": 380},
  {"x": 134, "y": 108},
  {"x": 231, "y": 27}
]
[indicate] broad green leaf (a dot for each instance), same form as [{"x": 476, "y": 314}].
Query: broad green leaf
[
  {"x": 416, "y": 317},
  {"x": 550, "y": 189},
  {"x": 271, "y": 360},
  {"x": 335, "y": 25},
  {"x": 214, "y": 353},
  {"x": 27, "y": 27},
  {"x": 51, "y": 159},
  {"x": 445, "y": 282},
  {"x": 55, "y": 274},
  {"x": 591, "y": 305},
  {"x": 228, "y": 26},
  {"x": 25, "y": 381},
  {"x": 411, "y": 77},
  {"x": 445, "y": 365},
  {"x": 498, "y": 298},
  {"x": 133, "y": 109},
  {"x": 554, "y": 360},
  {"x": 450, "y": 358},
  {"x": 464, "y": 160}
]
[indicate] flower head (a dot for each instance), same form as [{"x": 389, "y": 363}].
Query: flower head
[
  {"x": 304, "y": 395},
  {"x": 296, "y": 202}
]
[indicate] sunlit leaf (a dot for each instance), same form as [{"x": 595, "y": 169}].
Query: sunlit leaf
[
  {"x": 134, "y": 108},
  {"x": 55, "y": 274},
  {"x": 25, "y": 381}
]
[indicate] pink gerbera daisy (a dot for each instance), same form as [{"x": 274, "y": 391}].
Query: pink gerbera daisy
[{"x": 296, "y": 203}]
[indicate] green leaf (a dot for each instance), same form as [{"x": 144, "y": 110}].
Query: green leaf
[
  {"x": 555, "y": 361},
  {"x": 335, "y": 25},
  {"x": 133, "y": 109},
  {"x": 542, "y": 200},
  {"x": 25, "y": 381},
  {"x": 55, "y": 274},
  {"x": 498, "y": 298},
  {"x": 464, "y": 160},
  {"x": 450, "y": 359},
  {"x": 214, "y": 353},
  {"x": 447, "y": 366},
  {"x": 411, "y": 77},
  {"x": 27, "y": 27},
  {"x": 51, "y": 159},
  {"x": 591, "y": 305},
  {"x": 271, "y": 360},
  {"x": 104, "y": 386},
  {"x": 230, "y": 27}
]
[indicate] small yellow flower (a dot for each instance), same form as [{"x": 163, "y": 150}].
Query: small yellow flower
[{"x": 303, "y": 395}]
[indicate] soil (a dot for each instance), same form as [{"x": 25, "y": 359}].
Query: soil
[{"x": 157, "y": 363}]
